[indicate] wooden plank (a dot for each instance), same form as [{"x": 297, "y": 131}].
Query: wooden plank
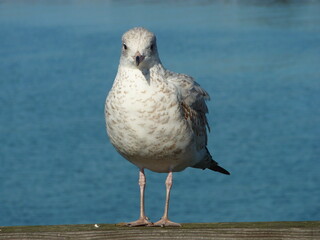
[{"x": 256, "y": 230}]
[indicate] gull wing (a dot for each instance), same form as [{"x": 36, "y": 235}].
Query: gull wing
[
  {"x": 194, "y": 108},
  {"x": 193, "y": 105}
]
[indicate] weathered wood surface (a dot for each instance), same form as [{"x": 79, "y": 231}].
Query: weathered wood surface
[{"x": 257, "y": 230}]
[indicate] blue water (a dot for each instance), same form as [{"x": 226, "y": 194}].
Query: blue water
[{"x": 259, "y": 60}]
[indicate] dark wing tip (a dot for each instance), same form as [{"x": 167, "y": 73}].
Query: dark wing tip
[{"x": 219, "y": 169}]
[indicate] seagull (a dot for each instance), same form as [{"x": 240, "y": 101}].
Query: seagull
[{"x": 155, "y": 118}]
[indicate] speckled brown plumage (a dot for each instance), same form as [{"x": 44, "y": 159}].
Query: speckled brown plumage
[{"x": 156, "y": 118}]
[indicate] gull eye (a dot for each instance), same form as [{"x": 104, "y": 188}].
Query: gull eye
[
  {"x": 124, "y": 46},
  {"x": 152, "y": 47}
]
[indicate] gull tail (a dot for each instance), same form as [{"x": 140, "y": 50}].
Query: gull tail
[
  {"x": 219, "y": 169},
  {"x": 211, "y": 164}
]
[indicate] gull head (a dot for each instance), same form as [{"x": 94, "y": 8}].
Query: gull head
[{"x": 139, "y": 49}]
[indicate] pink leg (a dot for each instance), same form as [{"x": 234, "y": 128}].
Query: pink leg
[
  {"x": 164, "y": 221},
  {"x": 143, "y": 220}
]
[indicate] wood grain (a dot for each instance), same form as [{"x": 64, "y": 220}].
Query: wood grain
[{"x": 257, "y": 230}]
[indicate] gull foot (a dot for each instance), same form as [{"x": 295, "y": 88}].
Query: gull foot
[
  {"x": 165, "y": 222},
  {"x": 140, "y": 222}
]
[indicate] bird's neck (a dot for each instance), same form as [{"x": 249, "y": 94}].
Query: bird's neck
[{"x": 148, "y": 74}]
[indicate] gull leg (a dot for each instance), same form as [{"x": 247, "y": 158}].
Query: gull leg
[
  {"x": 143, "y": 220},
  {"x": 164, "y": 221}
]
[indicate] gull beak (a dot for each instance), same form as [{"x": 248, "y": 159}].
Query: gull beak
[{"x": 138, "y": 58}]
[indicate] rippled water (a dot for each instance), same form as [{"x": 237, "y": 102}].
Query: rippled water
[{"x": 259, "y": 60}]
